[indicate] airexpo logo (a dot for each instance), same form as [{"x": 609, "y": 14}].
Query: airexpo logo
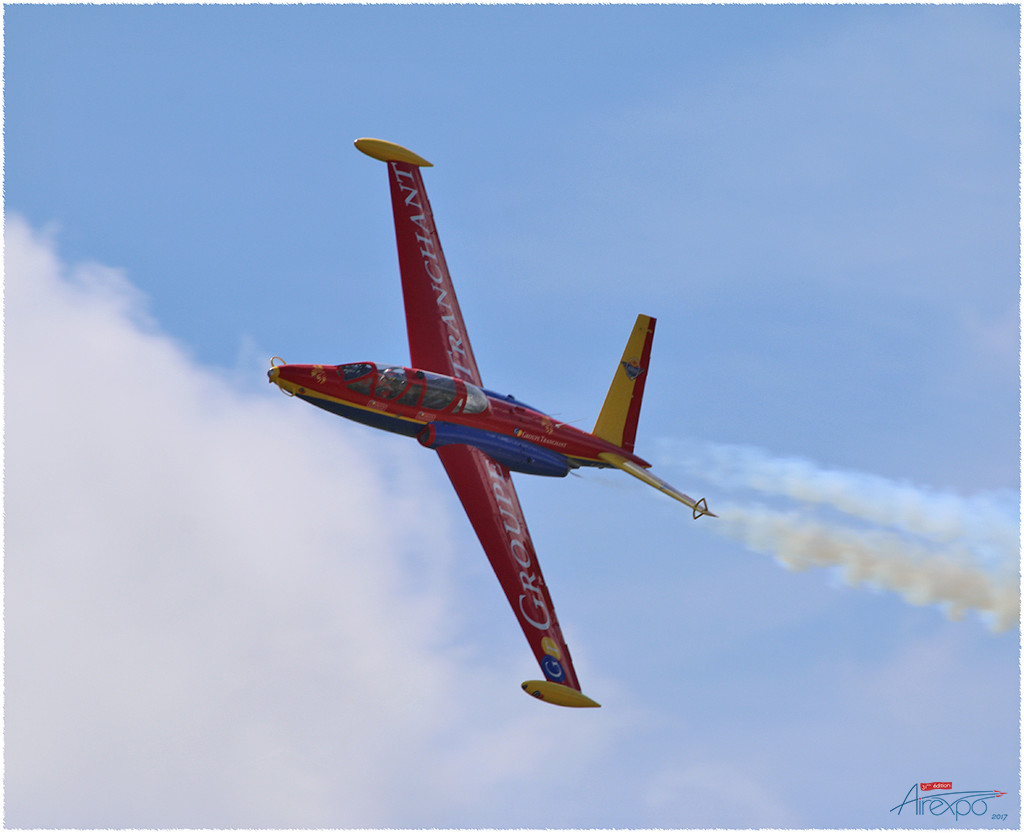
[{"x": 937, "y": 798}]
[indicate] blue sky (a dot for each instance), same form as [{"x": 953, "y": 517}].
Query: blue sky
[{"x": 251, "y": 615}]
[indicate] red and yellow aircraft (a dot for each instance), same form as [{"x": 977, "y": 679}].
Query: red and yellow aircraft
[{"x": 479, "y": 435}]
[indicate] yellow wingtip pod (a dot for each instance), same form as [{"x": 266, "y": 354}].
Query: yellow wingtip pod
[
  {"x": 390, "y": 152},
  {"x": 559, "y": 695}
]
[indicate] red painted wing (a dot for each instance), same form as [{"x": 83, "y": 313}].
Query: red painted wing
[
  {"x": 437, "y": 334},
  {"x": 489, "y": 498}
]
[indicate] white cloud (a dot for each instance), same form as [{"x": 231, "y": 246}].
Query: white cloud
[
  {"x": 219, "y": 611},
  {"x": 226, "y": 609}
]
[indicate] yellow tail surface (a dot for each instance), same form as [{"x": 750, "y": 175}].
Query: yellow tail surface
[
  {"x": 699, "y": 507},
  {"x": 621, "y": 410}
]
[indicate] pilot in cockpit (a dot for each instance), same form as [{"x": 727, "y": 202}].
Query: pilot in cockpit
[{"x": 390, "y": 383}]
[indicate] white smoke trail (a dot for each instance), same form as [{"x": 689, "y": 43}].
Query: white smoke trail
[{"x": 962, "y": 552}]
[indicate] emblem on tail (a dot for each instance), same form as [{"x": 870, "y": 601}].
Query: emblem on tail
[
  {"x": 632, "y": 368},
  {"x": 620, "y": 413}
]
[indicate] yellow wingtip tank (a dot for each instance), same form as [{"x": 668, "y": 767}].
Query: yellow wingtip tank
[
  {"x": 559, "y": 695},
  {"x": 390, "y": 152}
]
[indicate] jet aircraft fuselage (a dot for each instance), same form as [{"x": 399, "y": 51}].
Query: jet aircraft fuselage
[{"x": 441, "y": 410}]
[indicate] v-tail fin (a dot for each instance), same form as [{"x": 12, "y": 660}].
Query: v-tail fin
[
  {"x": 699, "y": 507},
  {"x": 621, "y": 410}
]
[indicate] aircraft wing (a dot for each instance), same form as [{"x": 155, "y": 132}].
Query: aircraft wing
[
  {"x": 489, "y": 498},
  {"x": 438, "y": 342},
  {"x": 437, "y": 334}
]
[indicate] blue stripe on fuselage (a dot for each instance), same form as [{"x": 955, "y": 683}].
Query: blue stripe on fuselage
[
  {"x": 375, "y": 419},
  {"x": 508, "y": 399}
]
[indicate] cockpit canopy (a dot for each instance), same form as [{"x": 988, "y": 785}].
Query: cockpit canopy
[{"x": 412, "y": 388}]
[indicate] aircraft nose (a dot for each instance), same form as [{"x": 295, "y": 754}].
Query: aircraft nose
[
  {"x": 275, "y": 376},
  {"x": 276, "y": 364}
]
